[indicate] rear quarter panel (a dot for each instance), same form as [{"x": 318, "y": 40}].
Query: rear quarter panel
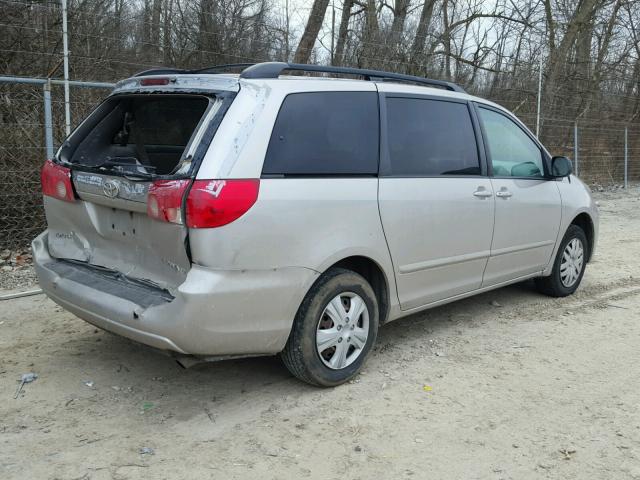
[
  {"x": 296, "y": 222},
  {"x": 299, "y": 222}
]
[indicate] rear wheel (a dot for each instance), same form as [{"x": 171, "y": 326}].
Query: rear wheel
[
  {"x": 569, "y": 265},
  {"x": 334, "y": 329}
]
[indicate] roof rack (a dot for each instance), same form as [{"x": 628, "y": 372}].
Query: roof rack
[{"x": 275, "y": 69}]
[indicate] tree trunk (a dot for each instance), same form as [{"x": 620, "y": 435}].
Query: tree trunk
[
  {"x": 156, "y": 11},
  {"x": 417, "y": 47},
  {"x": 207, "y": 38},
  {"x": 446, "y": 41},
  {"x": 343, "y": 32},
  {"x": 118, "y": 6},
  {"x": 146, "y": 30},
  {"x": 397, "y": 27},
  {"x": 166, "y": 32},
  {"x": 310, "y": 35},
  {"x": 370, "y": 40}
]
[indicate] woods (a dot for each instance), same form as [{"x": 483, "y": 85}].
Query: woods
[
  {"x": 588, "y": 52},
  {"x": 588, "y": 49}
]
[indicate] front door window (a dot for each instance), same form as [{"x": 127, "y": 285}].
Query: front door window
[{"x": 512, "y": 152}]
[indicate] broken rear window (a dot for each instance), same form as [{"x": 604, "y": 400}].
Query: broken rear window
[{"x": 150, "y": 133}]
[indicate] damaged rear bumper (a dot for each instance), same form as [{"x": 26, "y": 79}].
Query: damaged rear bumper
[{"x": 213, "y": 313}]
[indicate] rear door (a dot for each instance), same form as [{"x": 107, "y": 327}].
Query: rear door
[
  {"x": 528, "y": 205},
  {"x": 107, "y": 226},
  {"x": 112, "y": 230},
  {"x": 436, "y": 203}
]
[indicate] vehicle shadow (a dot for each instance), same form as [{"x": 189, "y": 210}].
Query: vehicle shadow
[
  {"x": 252, "y": 384},
  {"x": 440, "y": 318}
]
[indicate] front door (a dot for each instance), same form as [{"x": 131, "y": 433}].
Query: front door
[
  {"x": 527, "y": 205},
  {"x": 435, "y": 203}
]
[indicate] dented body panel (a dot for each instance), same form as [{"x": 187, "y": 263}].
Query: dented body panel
[
  {"x": 213, "y": 312},
  {"x": 126, "y": 241}
]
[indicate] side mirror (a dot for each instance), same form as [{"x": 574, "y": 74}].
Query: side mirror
[{"x": 561, "y": 167}]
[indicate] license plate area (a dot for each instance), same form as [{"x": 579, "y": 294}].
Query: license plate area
[{"x": 121, "y": 225}]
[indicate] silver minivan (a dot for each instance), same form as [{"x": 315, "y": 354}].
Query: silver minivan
[{"x": 213, "y": 215}]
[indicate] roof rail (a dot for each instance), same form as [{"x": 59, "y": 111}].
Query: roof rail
[
  {"x": 275, "y": 69},
  {"x": 219, "y": 68}
]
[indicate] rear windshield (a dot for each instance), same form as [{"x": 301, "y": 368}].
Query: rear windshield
[{"x": 150, "y": 133}]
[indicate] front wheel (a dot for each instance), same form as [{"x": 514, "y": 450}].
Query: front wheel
[
  {"x": 569, "y": 265},
  {"x": 334, "y": 329}
]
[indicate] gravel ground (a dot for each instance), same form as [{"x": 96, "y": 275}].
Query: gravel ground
[
  {"x": 505, "y": 385},
  {"x": 18, "y": 279},
  {"x": 16, "y": 272}
]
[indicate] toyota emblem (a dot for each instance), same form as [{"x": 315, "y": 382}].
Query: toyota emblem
[{"x": 111, "y": 188}]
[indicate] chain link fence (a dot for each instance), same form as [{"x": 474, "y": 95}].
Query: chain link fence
[
  {"x": 600, "y": 151},
  {"x": 23, "y": 149}
]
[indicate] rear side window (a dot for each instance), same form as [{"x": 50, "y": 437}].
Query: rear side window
[
  {"x": 430, "y": 138},
  {"x": 325, "y": 133}
]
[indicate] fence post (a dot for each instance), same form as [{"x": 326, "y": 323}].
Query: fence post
[
  {"x": 626, "y": 157},
  {"x": 575, "y": 147},
  {"x": 65, "y": 57},
  {"x": 48, "y": 120},
  {"x": 539, "y": 98}
]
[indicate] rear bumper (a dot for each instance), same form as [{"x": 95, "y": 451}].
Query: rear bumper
[{"x": 213, "y": 313}]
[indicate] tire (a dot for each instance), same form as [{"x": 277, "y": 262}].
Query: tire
[
  {"x": 342, "y": 342},
  {"x": 557, "y": 284}
]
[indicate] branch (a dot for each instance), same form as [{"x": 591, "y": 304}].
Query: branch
[
  {"x": 466, "y": 61},
  {"x": 475, "y": 16}
]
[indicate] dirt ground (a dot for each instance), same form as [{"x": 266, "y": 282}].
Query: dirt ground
[{"x": 506, "y": 385}]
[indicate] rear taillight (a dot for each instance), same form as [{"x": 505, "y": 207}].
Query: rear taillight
[
  {"x": 164, "y": 201},
  {"x": 56, "y": 182},
  {"x": 210, "y": 203},
  {"x": 213, "y": 203}
]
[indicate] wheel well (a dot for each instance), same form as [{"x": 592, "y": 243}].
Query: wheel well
[
  {"x": 586, "y": 224},
  {"x": 372, "y": 272}
]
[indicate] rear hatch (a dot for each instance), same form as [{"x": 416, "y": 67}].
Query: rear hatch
[{"x": 128, "y": 144}]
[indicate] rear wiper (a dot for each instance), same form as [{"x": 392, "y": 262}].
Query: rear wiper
[
  {"x": 129, "y": 170},
  {"x": 133, "y": 172}
]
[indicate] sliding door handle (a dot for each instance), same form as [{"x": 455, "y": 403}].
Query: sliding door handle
[
  {"x": 504, "y": 193},
  {"x": 482, "y": 193}
]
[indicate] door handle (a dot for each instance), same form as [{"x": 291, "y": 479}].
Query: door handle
[
  {"x": 504, "y": 193},
  {"x": 482, "y": 193}
]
